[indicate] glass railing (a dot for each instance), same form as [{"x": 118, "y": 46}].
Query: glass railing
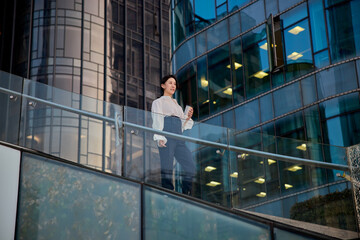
[{"x": 255, "y": 172}]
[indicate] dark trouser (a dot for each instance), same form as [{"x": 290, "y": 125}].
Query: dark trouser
[{"x": 176, "y": 148}]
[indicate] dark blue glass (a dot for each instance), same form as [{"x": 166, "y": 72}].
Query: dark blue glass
[
  {"x": 217, "y": 34},
  {"x": 254, "y": 36},
  {"x": 252, "y": 15},
  {"x": 256, "y": 64},
  {"x": 234, "y": 24},
  {"x": 200, "y": 43},
  {"x": 339, "y": 105},
  {"x": 220, "y": 88},
  {"x": 237, "y": 70},
  {"x": 221, "y": 11},
  {"x": 287, "y": 99},
  {"x": 204, "y": 13},
  {"x": 318, "y": 27},
  {"x": 247, "y": 115},
  {"x": 312, "y": 121},
  {"x": 336, "y": 80},
  {"x": 234, "y": 5},
  {"x": 179, "y": 30},
  {"x": 322, "y": 59},
  {"x": 271, "y": 7},
  {"x": 294, "y": 15},
  {"x": 290, "y": 126},
  {"x": 308, "y": 90},
  {"x": 266, "y": 108},
  {"x": 298, "y": 50},
  {"x": 358, "y": 70},
  {"x": 215, "y": 121},
  {"x": 185, "y": 53},
  {"x": 189, "y": 17},
  {"x": 285, "y": 4},
  {"x": 343, "y": 28},
  {"x": 228, "y": 119}
]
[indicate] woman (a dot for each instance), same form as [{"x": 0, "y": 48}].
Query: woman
[{"x": 168, "y": 116}]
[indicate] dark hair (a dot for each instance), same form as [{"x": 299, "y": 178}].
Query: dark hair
[{"x": 165, "y": 78}]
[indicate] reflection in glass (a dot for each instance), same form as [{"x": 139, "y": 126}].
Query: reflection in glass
[
  {"x": 287, "y": 99},
  {"x": 298, "y": 50},
  {"x": 247, "y": 115},
  {"x": 266, "y": 108},
  {"x": 201, "y": 43},
  {"x": 204, "y": 13},
  {"x": 336, "y": 80},
  {"x": 322, "y": 59},
  {"x": 343, "y": 28},
  {"x": 55, "y": 196},
  {"x": 220, "y": 88},
  {"x": 256, "y": 63},
  {"x": 178, "y": 30},
  {"x": 185, "y": 53},
  {"x": 252, "y": 15},
  {"x": 308, "y": 90},
  {"x": 203, "y": 87},
  {"x": 234, "y": 24},
  {"x": 318, "y": 27},
  {"x": 237, "y": 70},
  {"x": 217, "y": 34},
  {"x": 339, "y": 105},
  {"x": 234, "y": 5}
]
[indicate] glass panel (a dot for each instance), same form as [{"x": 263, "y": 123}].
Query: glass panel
[
  {"x": 237, "y": 70},
  {"x": 247, "y": 115},
  {"x": 322, "y": 59},
  {"x": 219, "y": 79},
  {"x": 293, "y": 100},
  {"x": 234, "y": 24},
  {"x": 308, "y": 90},
  {"x": 187, "y": 88},
  {"x": 336, "y": 80},
  {"x": 252, "y": 15},
  {"x": 10, "y": 108},
  {"x": 169, "y": 217},
  {"x": 221, "y": 11},
  {"x": 282, "y": 234},
  {"x": 271, "y": 7},
  {"x": 179, "y": 24},
  {"x": 343, "y": 28},
  {"x": 266, "y": 108},
  {"x": 203, "y": 87},
  {"x": 285, "y": 4},
  {"x": 228, "y": 119},
  {"x": 318, "y": 27},
  {"x": 298, "y": 50},
  {"x": 68, "y": 135},
  {"x": 312, "y": 121},
  {"x": 201, "y": 43},
  {"x": 358, "y": 70},
  {"x": 339, "y": 105},
  {"x": 204, "y": 13},
  {"x": 256, "y": 64},
  {"x": 294, "y": 15},
  {"x": 189, "y": 17},
  {"x": 84, "y": 203},
  {"x": 217, "y": 34},
  {"x": 234, "y": 5},
  {"x": 185, "y": 53}
]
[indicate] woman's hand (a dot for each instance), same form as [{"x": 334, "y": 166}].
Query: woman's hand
[
  {"x": 190, "y": 113},
  {"x": 161, "y": 143}
]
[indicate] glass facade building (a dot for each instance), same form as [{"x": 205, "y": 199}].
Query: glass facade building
[
  {"x": 112, "y": 50},
  {"x": 272, "y": 71}
]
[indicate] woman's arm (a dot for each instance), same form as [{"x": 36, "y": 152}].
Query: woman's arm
[{"x": 158, "y": 121}]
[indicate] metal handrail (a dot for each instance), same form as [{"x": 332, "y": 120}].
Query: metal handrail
[{"x": 116, "y": 120}]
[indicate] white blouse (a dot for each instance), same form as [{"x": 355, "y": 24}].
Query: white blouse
[{"x": 167, "y": 106}]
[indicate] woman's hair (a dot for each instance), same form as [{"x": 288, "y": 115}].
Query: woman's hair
[{"x": 165, "y": 78}]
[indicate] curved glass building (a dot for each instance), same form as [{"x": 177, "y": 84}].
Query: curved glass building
[
  {"x": 284, "y": 68},
  {"x": 265, "y": 68}
]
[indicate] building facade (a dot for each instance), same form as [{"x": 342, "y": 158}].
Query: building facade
[
  {"x": 111, "y": 50},
  {"x": 289, "y": 69}
]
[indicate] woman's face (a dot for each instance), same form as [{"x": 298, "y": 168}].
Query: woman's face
[{"x": 169, "y": 87}]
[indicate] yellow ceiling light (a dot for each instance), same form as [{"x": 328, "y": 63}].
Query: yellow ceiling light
[
  {"x": 295, "y": 56},
  {"x": 260, "y": 180},
  {"x": 287, "y": 186},
  {"x": 264, "y": 46},
  {"x": 210, "y": 168},
  {"x": 204, "y": 83},
  {"x": 206, "y": 101},
  {"x": 34, "y": 137},
  {"x": 302, "y": 147},
  {"x": 260, "y": 74},
  {"x": 261, "y": 194},
  {"x": 214, "y": 102},
  {"x": 213, "y": 184},
  {"x": 228, "y": 91},
  {"x": 296, "y": 30},
  {"x": 236, "y": 65},
  {"x": 270, "y": 161},
  {"x": 294, "y": 168},
  {"x": 234, "y": 175},
  {"x": 243, "y": 155}
]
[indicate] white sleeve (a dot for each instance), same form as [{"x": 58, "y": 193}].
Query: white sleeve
[{"x": 158, "y": 120}]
